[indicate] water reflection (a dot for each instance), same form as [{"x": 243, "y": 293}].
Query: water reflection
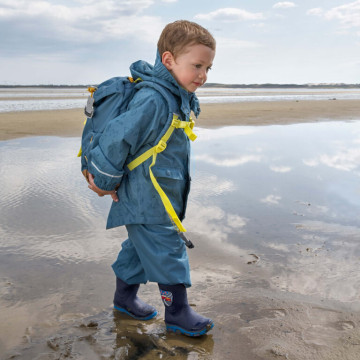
[
  {"x": 255, "y": 189},
  {"x": 46, "y": 208},
  {"x": 294, "y": 193},
  {"x": 288, "y": 194}
]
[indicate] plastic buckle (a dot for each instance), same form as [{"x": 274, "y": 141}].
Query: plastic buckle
[
  {"x": 92, "y": 89},
  {"x": 175, "y": 122},
  {"x": 192, "y": 123},
  {"x": 161, "y": 146}
]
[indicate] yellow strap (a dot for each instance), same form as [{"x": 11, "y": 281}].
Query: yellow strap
[
  {"x": 161, "y": 146},
  {"x": 165, "y": 200},
  {"x": 175, "y": 124},
  {"x": 139, "y": 160},
  {"x": 91, "y": 90},
  {"x": 190, "y": 134},
  {"x": 134, "y": 81}
]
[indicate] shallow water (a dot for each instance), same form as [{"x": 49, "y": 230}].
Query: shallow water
[
  {"x": 32, "y": 99},
  {"x": 41, "y": 104},
  {"x": 282, "y": 198},
  {"x": 227, "y": 95},
  {"x": 39, "y": 92},
  {"x": 289, "y": 194}
]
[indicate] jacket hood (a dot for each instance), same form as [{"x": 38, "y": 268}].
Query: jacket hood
[{"x": 159, "y": 74}]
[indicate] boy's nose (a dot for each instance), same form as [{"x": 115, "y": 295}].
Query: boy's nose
[{"x": 203, "y": 76}]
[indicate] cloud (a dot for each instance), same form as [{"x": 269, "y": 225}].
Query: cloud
[
  {"x": 209, "y": 185},
  {"x": 284, "y": 5},
  {"x": 315, "y": 11},
  {"x": 280, "y": 169},
  {"x": 231, "y": 43},
  {"x": 85, "y": 10},
  {"x": 42, "y": 26},
  {"x": 216, "y": 225},
  {"x": 236, "y": 221},
  {"x": 311, "y": 162},
  {"x": 348, "y": 15},
  {"x": 271, "y": 199},
  {"x": 230, "y": 14},
  {"x": 345, "y": 160},
  {"x": 228, "y": 162}
]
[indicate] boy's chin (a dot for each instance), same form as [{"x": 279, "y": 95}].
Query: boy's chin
[{"x": 191, "y": 88}]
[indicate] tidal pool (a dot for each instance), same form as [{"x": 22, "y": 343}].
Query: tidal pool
[
  {"x": 290, "y": 195},
  {"x": 281, "y": 199}
]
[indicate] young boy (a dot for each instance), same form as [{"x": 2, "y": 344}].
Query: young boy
[{"x": 154, "y": 251}]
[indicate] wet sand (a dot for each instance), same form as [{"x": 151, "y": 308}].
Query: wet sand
[
  {"x": 70, "y": 122},
  {"x": 253, "y": 321}
]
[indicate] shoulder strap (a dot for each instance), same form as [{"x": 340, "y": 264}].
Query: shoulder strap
[
  {"x": 173, "y": 122},
  {"x": 158, "y": 148}
]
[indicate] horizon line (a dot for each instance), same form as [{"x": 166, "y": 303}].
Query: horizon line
[{"x": 353, "y": 85}]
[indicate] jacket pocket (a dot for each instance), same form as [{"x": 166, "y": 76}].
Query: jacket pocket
[
  {"x": 174, "y": 184},
  {"x": 167, "y": 173}
]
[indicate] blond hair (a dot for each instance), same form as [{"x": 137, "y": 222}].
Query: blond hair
[{"x": 176, "y": 36}]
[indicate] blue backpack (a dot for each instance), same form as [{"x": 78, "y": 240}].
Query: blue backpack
[
  {"x": 110, "y": 99},
  {"x": 105, "y": 102}
]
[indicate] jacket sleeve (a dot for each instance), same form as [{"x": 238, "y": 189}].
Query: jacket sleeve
[{"x": 125, "y": 135}]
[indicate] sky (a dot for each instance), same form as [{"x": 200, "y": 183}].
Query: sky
[{"x": 258, "y": 41}]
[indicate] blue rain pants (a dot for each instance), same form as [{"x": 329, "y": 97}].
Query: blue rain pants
[{"x": 153, "y": 253}]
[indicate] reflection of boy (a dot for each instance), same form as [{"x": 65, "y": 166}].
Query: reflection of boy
[{"x": 154, "y": 250}]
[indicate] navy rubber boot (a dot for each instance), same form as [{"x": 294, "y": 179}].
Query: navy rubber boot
[
  {"x": 179, "y": 316},
  {"x": 127, "y": 301}
]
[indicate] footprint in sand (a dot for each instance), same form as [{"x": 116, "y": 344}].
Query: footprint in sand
[{"x": 345, "y": 325}]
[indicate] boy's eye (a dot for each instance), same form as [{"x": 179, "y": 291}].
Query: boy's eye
[{"x": 199, "y": 66}]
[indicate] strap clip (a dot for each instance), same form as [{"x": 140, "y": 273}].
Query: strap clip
[
  {"x": 192, "y": 123},
  {"x": 175, "y": 122},
  {"x": 161, "y": 146}
]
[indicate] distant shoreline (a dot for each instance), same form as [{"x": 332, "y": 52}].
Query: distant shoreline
[{"x": 211, "y": 85}]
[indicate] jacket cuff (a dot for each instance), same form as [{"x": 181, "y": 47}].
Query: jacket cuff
[{"x": 106, "y": 177}]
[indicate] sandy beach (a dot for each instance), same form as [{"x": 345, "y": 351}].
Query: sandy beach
[
  {"x": 254, "y": 320},
  {"x": 70, "y": 122}
]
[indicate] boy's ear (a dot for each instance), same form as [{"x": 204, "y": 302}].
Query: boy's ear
[{"x": 167, "y": 59}]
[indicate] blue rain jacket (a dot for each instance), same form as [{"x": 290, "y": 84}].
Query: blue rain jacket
[{"x": 132, "y": 133}]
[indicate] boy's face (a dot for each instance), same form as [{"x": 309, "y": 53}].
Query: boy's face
[{"x": 190, "y": 68}]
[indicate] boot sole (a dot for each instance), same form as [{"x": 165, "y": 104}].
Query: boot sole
[
  {"x": 179, "y": 330},
  {"x": 149, "y": 317}
]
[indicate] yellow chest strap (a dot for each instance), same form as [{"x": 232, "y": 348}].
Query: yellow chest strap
[{"x": 161, "y": 146}]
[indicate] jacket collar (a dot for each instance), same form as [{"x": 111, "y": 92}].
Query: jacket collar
[{"x": 160, "y": 74}]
